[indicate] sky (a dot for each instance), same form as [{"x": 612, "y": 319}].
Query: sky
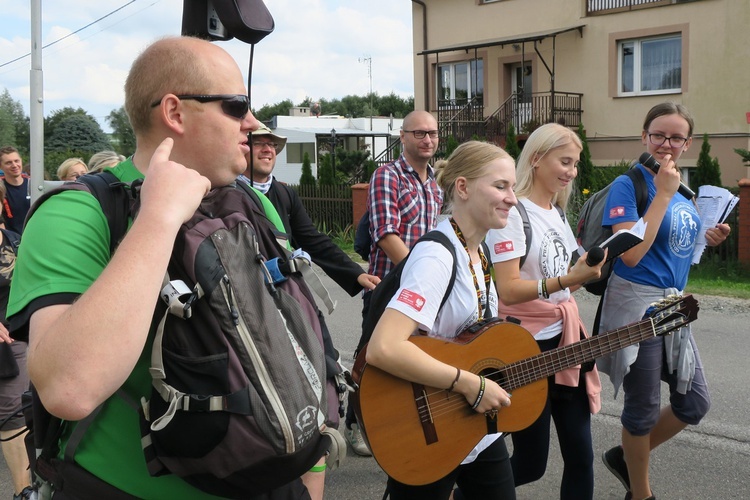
[{"x": 319, "y": 48}]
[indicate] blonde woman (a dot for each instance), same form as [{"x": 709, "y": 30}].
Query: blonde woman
[
  {"x": 477, "y": 182},
  {"x": 103, "y": 159},
  {"x": 71, "y": 169},
  {"x": 536, "y": 288}
]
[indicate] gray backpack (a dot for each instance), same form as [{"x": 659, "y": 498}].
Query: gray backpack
[{"x": 239, "y": 402}]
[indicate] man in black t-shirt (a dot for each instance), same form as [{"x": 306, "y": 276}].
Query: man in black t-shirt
[{"x": 17, "y": 196}]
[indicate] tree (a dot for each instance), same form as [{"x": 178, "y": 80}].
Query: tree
[
  {"x": 267, "y": 112},
  {"x": 122, "y": 133},
  {"x": 77, "y": 133},
  {"x": 511, "y": 143},
  {"x": 350, "y": 165},
  {"x": 707, "y": 170},
  {"x": 14, "y": 124},
  {"x": 325, "y": 171},
  {"x": 585, "y": 179},
  {"x": 59, "y": 115},
  {"x": 744, "y": 153},
  {"x": 307, "y": 178}
]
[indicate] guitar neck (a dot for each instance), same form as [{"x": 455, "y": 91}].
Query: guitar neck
[{"x": 548, "y": 363}]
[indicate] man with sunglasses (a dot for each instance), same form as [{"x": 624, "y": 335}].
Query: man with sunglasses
[
  {"x": 88, "y": 326},
  {"x": 403, "y": 203}
]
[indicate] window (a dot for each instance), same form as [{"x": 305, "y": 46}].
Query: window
[
  {"x": 295, "y": 151},
  {"x": 650, "y": 65},
  {"x": 459, "y": 82}
]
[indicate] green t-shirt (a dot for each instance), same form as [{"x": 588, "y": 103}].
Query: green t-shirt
[{"x": 65, "y": 248}]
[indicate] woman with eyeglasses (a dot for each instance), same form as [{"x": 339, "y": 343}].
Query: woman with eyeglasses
[
  {"x": 71, "y": 169},
  {"x": 535, "y": 287},
  {"x": 648, "y": 272}
]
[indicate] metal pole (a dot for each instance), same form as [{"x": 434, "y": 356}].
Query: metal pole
[{"x": 36, "y": 105}]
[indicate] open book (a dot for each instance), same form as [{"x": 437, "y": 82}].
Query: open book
[{"x": 624, "y": 239}]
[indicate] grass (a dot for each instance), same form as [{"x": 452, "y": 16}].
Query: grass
[{"x": 726, "y": 279}]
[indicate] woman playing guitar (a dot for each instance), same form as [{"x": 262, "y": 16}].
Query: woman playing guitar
[{"x": 477, "y": 182}]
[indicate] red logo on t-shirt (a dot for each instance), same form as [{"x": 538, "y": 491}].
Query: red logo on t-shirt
[
  {"x": 504, "y": 246},
  {"x": 616, "y": 212},
  {"x": 411, "y": 299}
]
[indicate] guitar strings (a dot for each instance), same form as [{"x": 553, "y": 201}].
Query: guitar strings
[{"x": 517, "y": 374}]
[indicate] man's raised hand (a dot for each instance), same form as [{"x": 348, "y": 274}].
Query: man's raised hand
[{"x": 171, "y": 191}]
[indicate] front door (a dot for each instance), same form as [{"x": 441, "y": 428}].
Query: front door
[{"x": 521, "y": 81}]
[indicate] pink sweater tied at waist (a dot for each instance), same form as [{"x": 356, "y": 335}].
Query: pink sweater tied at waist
[{"x": 536, "y": 315}]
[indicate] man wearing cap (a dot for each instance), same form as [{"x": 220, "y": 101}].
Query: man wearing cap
[
  {"x": 335, "y": 263},
  {"x": 350, "y": 276}
]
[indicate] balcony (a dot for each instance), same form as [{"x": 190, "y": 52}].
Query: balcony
[
  {"x": 599, "y": 7},
  {"x": 465, "y": 119}
]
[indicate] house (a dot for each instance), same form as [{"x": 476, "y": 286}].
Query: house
[
  {"x": 481, "y": 65},
  {"x": 315, "y": 136}
]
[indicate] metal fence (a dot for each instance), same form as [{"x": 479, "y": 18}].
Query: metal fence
[{"x": 329, "y": 207}]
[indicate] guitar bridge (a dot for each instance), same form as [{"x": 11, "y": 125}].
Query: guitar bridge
[{"x": 425, "y": 414}]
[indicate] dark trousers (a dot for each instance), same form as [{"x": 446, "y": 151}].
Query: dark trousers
[
  {"x": 569, "y": 408},
  {"x": 489, "y": 477}
]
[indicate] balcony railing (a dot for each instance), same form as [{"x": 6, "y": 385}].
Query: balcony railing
[{"x": 594, "y": 7}]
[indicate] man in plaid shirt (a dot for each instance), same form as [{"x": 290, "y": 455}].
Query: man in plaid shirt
[{"x": 404, "y": 202}]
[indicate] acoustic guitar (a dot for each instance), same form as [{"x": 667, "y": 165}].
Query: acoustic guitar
[{"x": 419, "y": 434}]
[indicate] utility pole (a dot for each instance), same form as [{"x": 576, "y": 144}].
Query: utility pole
[
  {"x": 368, "y": 61},
  {"x": 36, "y": 105}
]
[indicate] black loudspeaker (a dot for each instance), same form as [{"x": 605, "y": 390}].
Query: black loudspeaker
[{"x": 247, "y": 20}]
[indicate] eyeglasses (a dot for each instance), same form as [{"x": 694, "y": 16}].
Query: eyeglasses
[
  {"x": 674, "y": 142},
  {"x": 420, "y": 134},
  {"x": 262, "y": 144},
  {"x": 235, "y": 105}
]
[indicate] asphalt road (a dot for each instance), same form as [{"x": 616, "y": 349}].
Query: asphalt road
[{"x": 709, "y": 461}]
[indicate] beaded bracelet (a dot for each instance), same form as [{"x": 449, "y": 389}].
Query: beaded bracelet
[
  {"x": 480, "y": 395},
  {"x": 455, "y": 380}
]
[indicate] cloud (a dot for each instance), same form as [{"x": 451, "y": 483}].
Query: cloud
[{"x": 314, "y": 50}]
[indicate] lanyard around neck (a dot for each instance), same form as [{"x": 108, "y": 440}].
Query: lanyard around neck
[{"x": 485, "y": 271}]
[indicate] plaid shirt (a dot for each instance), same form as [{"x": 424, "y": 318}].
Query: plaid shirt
[{"x": 399, "y": 203}]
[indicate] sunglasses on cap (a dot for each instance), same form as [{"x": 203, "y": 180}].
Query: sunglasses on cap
[{"x": 235, "y": 105}]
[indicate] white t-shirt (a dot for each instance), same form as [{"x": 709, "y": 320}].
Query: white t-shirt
[
  {"x": 424, "y": 280},
  {"x": 552, "y": 247}
]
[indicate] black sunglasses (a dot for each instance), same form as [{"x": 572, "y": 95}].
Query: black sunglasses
[{"x": 236, "y": 105}]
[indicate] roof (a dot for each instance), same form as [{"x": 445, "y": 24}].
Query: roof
[
  {"x": 531, "y": 37},
  {"x": 340, "y": 132}
]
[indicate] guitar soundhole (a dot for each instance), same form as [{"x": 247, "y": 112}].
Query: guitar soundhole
[{"x": 494, "y": 374}]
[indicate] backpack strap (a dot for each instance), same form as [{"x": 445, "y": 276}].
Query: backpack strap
[
  {"x": 641, "y": 189},
  {"x": 641, "y": 201},
  {"x": 13, "y": 238},
  {"x": 527, "y": 227},
  {"x": 441, "y": 238}
]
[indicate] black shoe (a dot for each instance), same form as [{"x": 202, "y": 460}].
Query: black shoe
[
  {"x": 614, "y": 460},
  {"x": 629, "y": 496}
]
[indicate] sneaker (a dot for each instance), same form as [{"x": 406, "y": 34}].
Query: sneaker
[
  {"x": 26, "y": 493},
  {"x": 614, "y": 460},
  {"x": 354, "y": 436}
]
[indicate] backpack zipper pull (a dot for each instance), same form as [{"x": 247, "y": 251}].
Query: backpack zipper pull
[{"x": 230, "y": 300}]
